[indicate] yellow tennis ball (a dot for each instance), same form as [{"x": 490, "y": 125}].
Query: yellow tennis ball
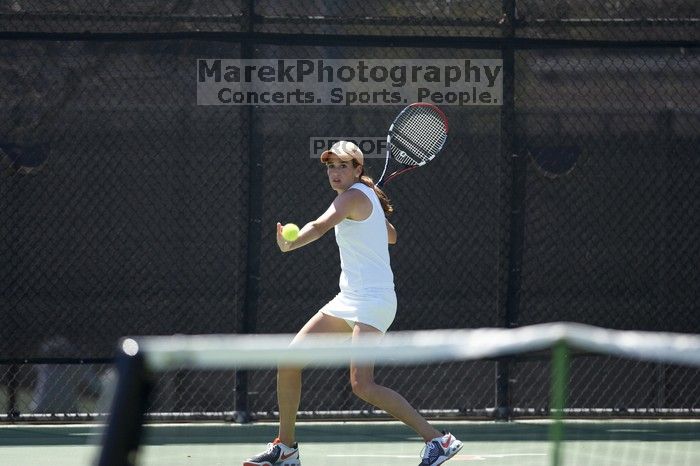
[{"x": 290, "y": 232}]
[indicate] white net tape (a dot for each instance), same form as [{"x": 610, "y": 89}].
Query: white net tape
[{"x": 254, "y": 351}]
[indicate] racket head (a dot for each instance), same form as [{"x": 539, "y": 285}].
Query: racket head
[
  {"x": 417, "y": 134},
  {"x": 415, "y": 137}
]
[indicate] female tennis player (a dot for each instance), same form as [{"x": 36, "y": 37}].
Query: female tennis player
[{"x": 366, "y": 304}]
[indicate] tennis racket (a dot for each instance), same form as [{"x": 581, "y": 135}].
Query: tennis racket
[{"x": 415, "y": 138}]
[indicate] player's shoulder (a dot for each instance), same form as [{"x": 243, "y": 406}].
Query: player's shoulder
[
  {"x": 352, "y": 198},
  {"x": 358, "y": 192}
]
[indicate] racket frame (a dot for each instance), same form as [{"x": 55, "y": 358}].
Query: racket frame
[{"x": 406, "y": 168}]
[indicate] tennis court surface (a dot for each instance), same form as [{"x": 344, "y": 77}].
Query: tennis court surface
[{"x": 624, "y": 443}]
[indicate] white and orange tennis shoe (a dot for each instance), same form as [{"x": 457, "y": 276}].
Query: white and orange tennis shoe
[
  {"x": 277, "y": 454},
  {"x": 440, "y": 449}
]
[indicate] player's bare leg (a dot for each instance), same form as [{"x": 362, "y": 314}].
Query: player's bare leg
[
  {"x": 289, "y": 379},
  {"x": 363, "y": 385},
  {"x": 439, "y": 447},
  {"x": 283, "y": 450}
]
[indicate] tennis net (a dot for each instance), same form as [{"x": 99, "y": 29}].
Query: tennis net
[{"x": 555, "y": 435}]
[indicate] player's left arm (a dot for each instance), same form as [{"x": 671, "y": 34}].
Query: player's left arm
[
  {"x": 391, "y": 231},
  {"x": 341, "y": 208}
]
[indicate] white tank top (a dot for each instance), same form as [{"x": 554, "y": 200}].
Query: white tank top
[{"x": 364, "y": 249}]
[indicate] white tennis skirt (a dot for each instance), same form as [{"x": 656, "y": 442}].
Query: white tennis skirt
[{"x": 375, "y": 307}]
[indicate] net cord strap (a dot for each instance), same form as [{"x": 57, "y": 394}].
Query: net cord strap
[{"x": 408, "y": 347}]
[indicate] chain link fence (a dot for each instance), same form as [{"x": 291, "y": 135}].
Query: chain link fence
[{"x": 129, "y": 209}]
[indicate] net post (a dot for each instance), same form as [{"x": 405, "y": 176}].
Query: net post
[
  {"x": 560, "y": 379},
  {"x": 13, "y": 387},
  {"x": 503, "y": 411},
  {"x": 122, "y": 436},
  {"x": 515, "y": 239}
]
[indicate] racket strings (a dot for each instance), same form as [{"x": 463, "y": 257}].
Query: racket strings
[
  {"x": 408, "y": 151},
  {"x": 405, "y": 151},
  {"x": 417, "y": 136}
]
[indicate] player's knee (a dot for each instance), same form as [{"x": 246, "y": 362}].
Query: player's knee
[{"x": 363, "y": 388}]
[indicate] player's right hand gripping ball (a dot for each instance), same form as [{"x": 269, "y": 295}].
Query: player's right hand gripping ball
[{"x": 290, "y": 232}]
